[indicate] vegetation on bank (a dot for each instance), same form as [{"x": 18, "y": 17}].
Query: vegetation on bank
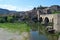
[
  {"x": 56, "y": 12},
  {"x": 20, "y": 27}
]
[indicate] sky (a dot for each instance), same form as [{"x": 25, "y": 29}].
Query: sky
[{"x": 24, "y": 5}]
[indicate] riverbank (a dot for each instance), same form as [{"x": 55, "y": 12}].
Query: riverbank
[{"x": 22, "y": 27}]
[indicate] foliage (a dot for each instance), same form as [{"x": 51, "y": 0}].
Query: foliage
[
  {"x": 9, "y": 18},
  {"x": 21, "y": 27},
  {"x": 56, "y": 12}
]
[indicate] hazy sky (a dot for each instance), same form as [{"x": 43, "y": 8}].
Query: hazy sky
[{"x": 23, "y": 5}]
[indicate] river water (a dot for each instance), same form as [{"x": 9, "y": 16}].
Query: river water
[{"x": 36, "y": 36}]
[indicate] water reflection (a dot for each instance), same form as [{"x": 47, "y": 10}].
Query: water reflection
[
  {"x": 36, "y": 33},
  {"x": 36, "y": 36}
]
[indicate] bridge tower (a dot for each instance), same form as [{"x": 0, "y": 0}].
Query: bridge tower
[{"x": 38, "y": 14}]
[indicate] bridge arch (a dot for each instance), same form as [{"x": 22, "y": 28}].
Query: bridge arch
[
  {"x": 40, "y": 19},
  {"x": 46, "y": 20}
]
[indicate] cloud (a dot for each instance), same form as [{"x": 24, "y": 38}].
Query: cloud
[{"x": 12, "y": 7}]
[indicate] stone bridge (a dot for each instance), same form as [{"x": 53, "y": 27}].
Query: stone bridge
[
  {"x": 49, "y": 16},
  {"x": 55, "y": 18}
]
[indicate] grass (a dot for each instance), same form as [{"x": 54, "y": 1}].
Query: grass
[
  {"x": 56, "y": 12},
  {"x": 21, "y": 27}
]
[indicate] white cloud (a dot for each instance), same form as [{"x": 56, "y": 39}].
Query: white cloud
[{"x": 12, "y": 7}]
